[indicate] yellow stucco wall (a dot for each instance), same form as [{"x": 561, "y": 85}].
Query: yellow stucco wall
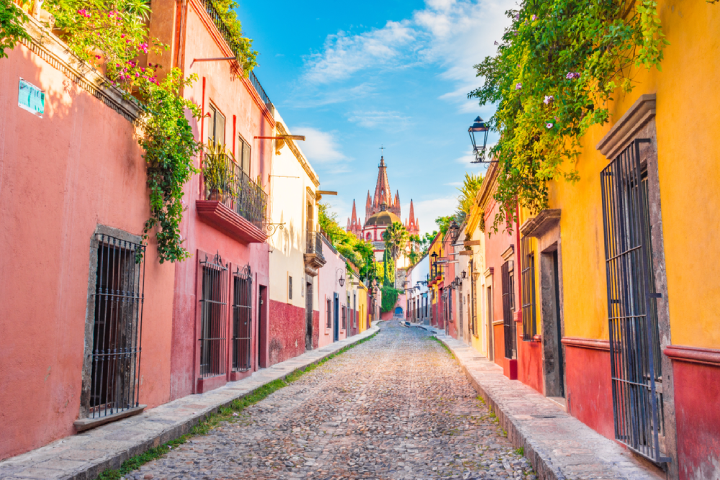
[
  {"x": 362, "y": 306},
  {"x": 688, "y": 138}
]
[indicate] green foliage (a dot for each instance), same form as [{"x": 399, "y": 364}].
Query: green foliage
[
  {"x": 386, "y": 266},
  {"x": 112, "y": 34},
  {"x": 423, "y": 243},
  {"x": 241, "y": 45},
  {"x": 443, "y": 224},
  {"x": 468, "y": 193},
  {"x": 389, "y": 297},
  {"x": 558, "y": 66},
  {"x": 169, "y": 146},
  {"x": 357, "y": 251},
  {"x": 396, "y": 238},
  {"x": 12, "y": 30}
]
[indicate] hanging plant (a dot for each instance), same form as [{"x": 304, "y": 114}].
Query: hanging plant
[
  {"x": 12, "y": 30},
  {"x": 559, "y": 64}
]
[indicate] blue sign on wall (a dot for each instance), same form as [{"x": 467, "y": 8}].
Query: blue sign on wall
[{"x": 31, "y": 98}]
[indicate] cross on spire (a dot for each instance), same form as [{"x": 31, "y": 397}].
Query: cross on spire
[{"x": 382, "y": 150}]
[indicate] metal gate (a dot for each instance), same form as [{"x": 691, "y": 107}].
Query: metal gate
[
  {"x": 508, "y": 321},
  {"x": 634, "y": 336},
  {"x": 117, "y": 327},
  {"x": 213, "y": 305},
  {"x": 242, "y": 319}
]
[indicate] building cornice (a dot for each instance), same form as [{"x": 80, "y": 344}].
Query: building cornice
[
  {"x": 298, "y": 155},
  {"x": 626, "y": 128}
]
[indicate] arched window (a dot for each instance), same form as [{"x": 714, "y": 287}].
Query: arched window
[{"x": 368, "y": 236}]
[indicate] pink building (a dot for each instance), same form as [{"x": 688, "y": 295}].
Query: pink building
[
  {"x": 220, "y": 321},
  {"x": 332, "y": 295},
  {"x": 74, "y": 194}
]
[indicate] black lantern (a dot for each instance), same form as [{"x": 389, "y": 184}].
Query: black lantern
[
  {"x": 453, "y": 228},
  {"x": 458, "y": 281},
  {"x": 464, "y": 273},
  {"x": 481, "y": 128},
  {"x": 341, "y": 280}
]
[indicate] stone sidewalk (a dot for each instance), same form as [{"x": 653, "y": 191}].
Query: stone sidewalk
[
  {"x": 86, "y": 455},
  {"x": 558, "y": 445}
]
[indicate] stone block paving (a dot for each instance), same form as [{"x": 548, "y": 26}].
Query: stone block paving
[
  {"x": 397, "y": 407},
  {"x": 558, "y": 445}
]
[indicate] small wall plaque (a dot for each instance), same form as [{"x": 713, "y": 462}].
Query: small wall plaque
[{"x": 31, "y": 98}]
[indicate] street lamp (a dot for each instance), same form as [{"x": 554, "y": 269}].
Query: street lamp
[
  {"x": 482, "y": 129},
  {"x": 341, "y": 280},
  {"x": 454, "y": 227},
  {"x": 464, "y": 273}
]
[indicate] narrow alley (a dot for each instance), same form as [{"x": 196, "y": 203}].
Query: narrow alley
[{"x": 397, "y": 407}]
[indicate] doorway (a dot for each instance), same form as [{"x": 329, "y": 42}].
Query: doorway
[
  {"x": 336, "y": 318},
  {"x": 308, "y": 315},
  {"x": 554, "y": 358},
  {"x": 261, "y": 347}
]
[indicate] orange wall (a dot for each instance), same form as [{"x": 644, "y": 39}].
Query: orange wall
[{"x": 61, "y": 176}]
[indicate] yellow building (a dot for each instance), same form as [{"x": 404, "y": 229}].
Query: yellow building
[{"x": 632, "y": 244}]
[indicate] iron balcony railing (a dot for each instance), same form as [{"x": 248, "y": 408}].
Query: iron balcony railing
[
  {"x": 235, "y": 47},
  {"x": 224, "y": 181},
  {"x": 314, "y": 244}
]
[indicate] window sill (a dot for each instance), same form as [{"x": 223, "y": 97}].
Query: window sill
[
  {"x": 227, "y": 221},
  {"x": 88, "y": 423}
]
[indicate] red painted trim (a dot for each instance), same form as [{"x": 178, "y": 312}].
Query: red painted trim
[
  {"x": 707, "y": 356},
  {"x": 233, "y": 136},
  {"x": 589, "y": 343},
  {"x": 224, "y": 219}
]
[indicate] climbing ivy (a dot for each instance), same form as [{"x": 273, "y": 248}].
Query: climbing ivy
[
  {"x": 12, "y": 19},
  {"x": 557, "y": 66}
]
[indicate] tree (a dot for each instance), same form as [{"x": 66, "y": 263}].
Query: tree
[
  {"x": 444, "y": 223},
  {"x": 396, "y": 238},
  {"x": 468, "y": 194}
]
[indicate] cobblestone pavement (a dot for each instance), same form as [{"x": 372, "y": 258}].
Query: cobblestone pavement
[{"x": 396, "y": 407}]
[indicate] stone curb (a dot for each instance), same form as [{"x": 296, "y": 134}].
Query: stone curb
[
  {"x": 81, "y": 456},
  {"x": 549, "y": 460}
]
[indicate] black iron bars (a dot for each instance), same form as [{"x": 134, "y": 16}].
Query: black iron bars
[
  {"x": 117, "y": 327},
  {"x": 242, "y": 319},
  {"x": 527, "y": 277},
  {"x": 634, "y": 336},
  {"x": 213, "y": 308}
]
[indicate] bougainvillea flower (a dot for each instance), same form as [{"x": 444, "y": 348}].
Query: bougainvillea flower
[
  {"x": 548, "y": 99},
  {"x": 518, "y": 86},
  {"x": 572, "y": 75}
]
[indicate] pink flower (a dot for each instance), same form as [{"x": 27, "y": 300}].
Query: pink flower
[
  {"x": 496, "y": 43},
  {"x": 122, "y": 36},
  {"x": 518, "y": 86},
  {"x": 549, "y": 125},
  {"x": 572, "y": 75},
  {"x": 98, "y": 57},
  {"x": 548, "y": 99},
  {"x": 533, "y": 18}
]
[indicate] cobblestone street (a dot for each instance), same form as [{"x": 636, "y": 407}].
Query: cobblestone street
[{"x": 397, "y": 406}]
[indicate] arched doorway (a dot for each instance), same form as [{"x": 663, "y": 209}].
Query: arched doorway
[{"x": 398, "y": 311}]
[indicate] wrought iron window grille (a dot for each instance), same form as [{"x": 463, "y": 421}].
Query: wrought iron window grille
[
  {"x": 527, "y": 277},
  {"x": 213, "y": 307},
  {"x": 508, "y": 321},
  {"x": 242, "y": 319},
  {"x": 117, "y": 327},
  {"x": 635, "y": 358}
]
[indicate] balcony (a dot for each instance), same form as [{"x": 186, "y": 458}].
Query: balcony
[
  {"x": 231, "y": 201},
  {"x": 314, "y": 258}
]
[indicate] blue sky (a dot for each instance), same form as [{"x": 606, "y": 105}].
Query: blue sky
[{"x": 353, "y": 76}]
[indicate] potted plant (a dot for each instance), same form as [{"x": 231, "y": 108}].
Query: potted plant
[{"x": 217, "y": 173}]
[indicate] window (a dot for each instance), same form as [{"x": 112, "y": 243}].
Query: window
[
  {"x": 114, "y": 379},
  {"x": 289, "y": 288},
  {"x": 242, "y": 319},
  {"x": 354, "y": 310},
  {"x": 244, "y": 156},
  {"x": 473, "y": 304},
  {"x": 528, "y": 290},
  {"x": 213, "y": 308},
  {"x": 344, "y": 317},
  {"x": 216, "y": 127},
  {"x": 329, "y": 318},
  {"x": 508, "y": 321}
]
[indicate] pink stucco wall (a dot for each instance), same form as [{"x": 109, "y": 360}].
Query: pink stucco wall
[
  {"x": 235, "y": 98},
  {"x": 327, "y": 286},
  {"x": 60, "y": 176}
]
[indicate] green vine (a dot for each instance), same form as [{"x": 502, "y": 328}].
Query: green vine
[
  {"x": 12, "y": 30},
  {"x": 112, "y": 35},
  {"x": 557, "y": 67}
]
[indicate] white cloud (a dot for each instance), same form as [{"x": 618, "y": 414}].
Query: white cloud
[
  {"x": 345, "y": 54},
  {"x": 428, "y": 210},
  {"x": 319, "y": 146},
  {"x": 453, "y": 35},
  {"x": 311, "y": 98},
  {"x": 374, "y": 119}
]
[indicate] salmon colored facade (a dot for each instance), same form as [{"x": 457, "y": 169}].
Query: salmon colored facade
[{"x": 67, "y": 176}]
